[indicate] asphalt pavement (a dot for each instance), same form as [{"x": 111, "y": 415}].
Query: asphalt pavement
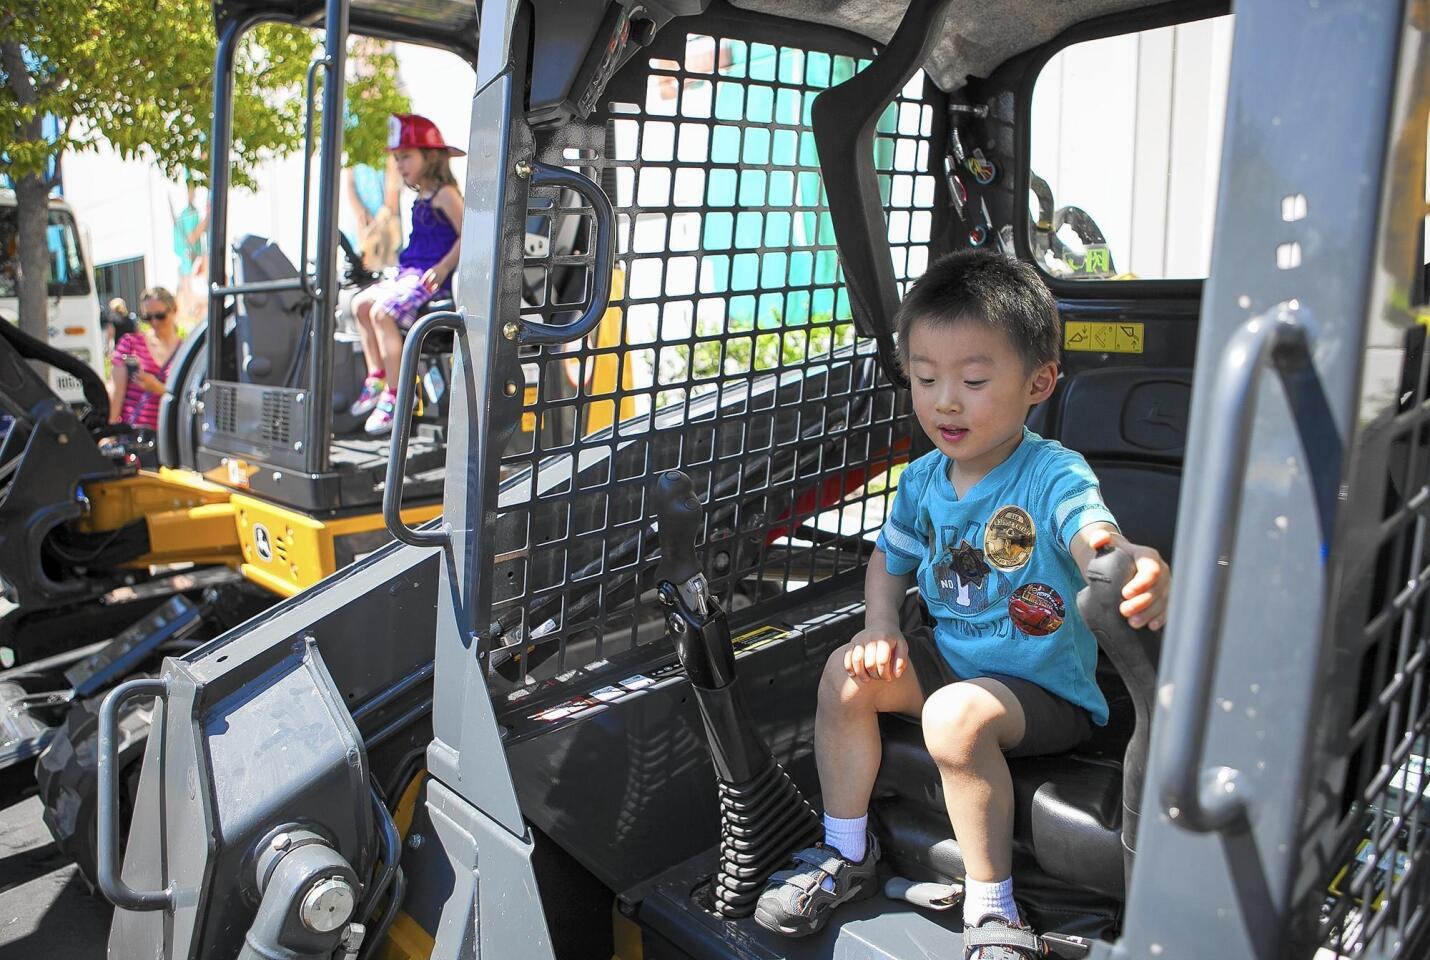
[{"x": 46, "y": 911}]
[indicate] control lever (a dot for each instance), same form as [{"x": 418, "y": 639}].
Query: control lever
[
  {"x": 1128, "y": 649},
  {"x": 763, "y": 816}
]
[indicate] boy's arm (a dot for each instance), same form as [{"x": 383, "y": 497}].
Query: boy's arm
[
  {"x": 879, "y": 650},
  {"x": 1145, "y": 596}
]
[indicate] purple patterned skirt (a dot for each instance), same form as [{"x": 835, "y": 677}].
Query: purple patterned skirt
[{"x": 403, "y": 296}]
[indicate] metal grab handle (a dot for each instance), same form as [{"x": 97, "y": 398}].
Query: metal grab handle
[
  {"x": 324, "y": 63},
  {"x": 454, "y": 320},
  {"x": 1202, "y": 801},
  {"x": 545, "y": 175},
  {"x": 115, "y": 890}
]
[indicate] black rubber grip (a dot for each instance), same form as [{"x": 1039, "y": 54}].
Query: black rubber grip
[
  {"x": 1099, "y": 601},
  {"x": 679, "y": 514},
  {"x": 1133, "y": 653}
]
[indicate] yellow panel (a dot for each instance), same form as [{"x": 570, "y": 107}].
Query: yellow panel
[
  {"x": 406, "y": 940},
  {"x": 626, "y": 935},
  {"x": 1101, "y": 336},
  {"x": 199, "y": 535},
  {"x": 287, "y": 551},
  {"x": 115, "y": 503}
]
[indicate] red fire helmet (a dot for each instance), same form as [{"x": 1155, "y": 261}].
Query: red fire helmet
[{"x": 410, "y": 131}]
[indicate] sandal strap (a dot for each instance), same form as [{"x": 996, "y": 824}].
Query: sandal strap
[
  {"x": 830, "y": 863},
  {"x": 806, "y": 881},
  {"x": 998, "y": 935}
]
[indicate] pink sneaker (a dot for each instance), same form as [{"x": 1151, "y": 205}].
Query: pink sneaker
[
  {"x": 380, "y": 421},
  {"x": 372, "y": 389}
]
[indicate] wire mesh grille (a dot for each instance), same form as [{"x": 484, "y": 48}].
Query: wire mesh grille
[
  {"x": 1377, "y": 891},
  {"x": 728, "y": 352}
]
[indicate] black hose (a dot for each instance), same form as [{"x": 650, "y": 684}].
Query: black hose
[
  {"x": 391, "y": 852},
  {"x": 394, "y": 903}
]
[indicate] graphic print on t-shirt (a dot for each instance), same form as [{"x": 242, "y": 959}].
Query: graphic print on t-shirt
[{"x": 964, "y": 581}]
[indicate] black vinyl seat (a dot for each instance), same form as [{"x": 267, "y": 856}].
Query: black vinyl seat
[{"x": 1130, "y": 424}]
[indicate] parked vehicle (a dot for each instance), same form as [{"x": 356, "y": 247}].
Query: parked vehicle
[{"x": 73, "y": 308}]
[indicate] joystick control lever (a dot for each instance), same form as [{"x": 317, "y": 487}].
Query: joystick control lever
[{"x": 763, "y": 817}]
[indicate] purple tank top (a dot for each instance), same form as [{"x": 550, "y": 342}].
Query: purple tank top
[{"x": 432, "y": 236}]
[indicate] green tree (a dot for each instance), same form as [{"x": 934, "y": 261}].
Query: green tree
[{"x": 140, "y": 75}]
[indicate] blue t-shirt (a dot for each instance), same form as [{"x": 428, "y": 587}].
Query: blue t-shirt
[{"x": 994, "y": 567}]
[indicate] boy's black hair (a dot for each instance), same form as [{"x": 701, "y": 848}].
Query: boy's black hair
[{"x": 989, "y": 288}]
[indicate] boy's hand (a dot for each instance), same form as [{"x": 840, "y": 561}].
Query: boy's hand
[
  {"x": 876, "y": 654},
  {"x": 1145, "y": 596}
]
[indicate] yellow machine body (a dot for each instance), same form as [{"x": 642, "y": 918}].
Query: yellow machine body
[{"x": 192, "y": 520}]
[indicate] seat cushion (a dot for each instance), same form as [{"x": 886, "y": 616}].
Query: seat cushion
[{"x": 1067, "y": 811}]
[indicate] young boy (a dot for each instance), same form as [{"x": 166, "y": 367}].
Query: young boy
[{"x": 999, "y": 525}]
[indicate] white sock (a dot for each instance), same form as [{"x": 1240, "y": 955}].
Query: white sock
[
  {"x": 849, "y": 837},
  {"x": 980, "y": 899}
]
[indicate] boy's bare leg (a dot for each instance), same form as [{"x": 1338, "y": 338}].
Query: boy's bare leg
[
  {"x": 847, "y": 748},
  {"x": 967, "y": 726}
]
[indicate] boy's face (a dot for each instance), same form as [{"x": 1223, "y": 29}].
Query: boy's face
[{"x": 971, "y": 391}]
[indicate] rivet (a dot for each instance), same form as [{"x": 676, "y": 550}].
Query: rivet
[
  {"x": 509, "y": 388},
  {"x": 523, "y": 168},
  {"x": 510, "y": 329}
]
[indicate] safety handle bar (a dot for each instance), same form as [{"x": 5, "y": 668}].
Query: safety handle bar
[
  {"x": 678, "y": 511},
  {"x": 1206, "y": 800},
  {"x": 602, "y": 262},
  {"x": 115, "y": 889},
  {"x": 318, "y": 63},
  {"x": 454, "y": 320}
]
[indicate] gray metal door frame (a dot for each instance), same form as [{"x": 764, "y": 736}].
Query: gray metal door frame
[
  {"x": 1246, "y": 773},
  {"x": 495, "y": 909}
]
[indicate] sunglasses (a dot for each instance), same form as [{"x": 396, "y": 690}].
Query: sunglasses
[{"x": 151, "y": 317}]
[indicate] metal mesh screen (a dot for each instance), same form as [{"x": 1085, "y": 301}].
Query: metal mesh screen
[
  {"x": 728, "y": 352},
  {"x": 1377, "y": 889}
]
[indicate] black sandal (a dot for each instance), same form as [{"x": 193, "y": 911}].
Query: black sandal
[{"x": 994, "y": 938}]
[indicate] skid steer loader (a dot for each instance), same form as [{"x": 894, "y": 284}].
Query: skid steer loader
[{"x": 574, "y": 718}]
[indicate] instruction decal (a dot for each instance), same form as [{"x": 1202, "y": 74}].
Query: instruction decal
[
  {"x": 1102, "y": 336},
  {"x": 758, "y": 639}
]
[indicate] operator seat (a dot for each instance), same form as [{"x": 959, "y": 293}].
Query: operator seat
[
  {"x": 269, "y": 325},
  {"x": 1131, "y": 424}
]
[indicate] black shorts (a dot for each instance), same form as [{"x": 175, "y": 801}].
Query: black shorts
[{"x": 1052, "y": 724}]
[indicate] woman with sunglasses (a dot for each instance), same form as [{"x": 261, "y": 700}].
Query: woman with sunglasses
[{"x": 141, "y": 361}]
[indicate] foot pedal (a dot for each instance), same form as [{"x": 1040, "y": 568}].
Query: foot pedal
[{"x": 930, "y": 896}]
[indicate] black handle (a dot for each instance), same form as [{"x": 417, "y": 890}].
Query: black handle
[
  {"x": 454, "y": 320},
  {"x": 1098, "y": 602},
  {"x": 1130, "y": 650},
  {"x": 602, "y": 257},
  {"x": 678, "y": 511},
  {"x": 110, "y": 869}
]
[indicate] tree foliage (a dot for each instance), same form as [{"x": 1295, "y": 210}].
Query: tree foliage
[{"x": 140, "y": 75}]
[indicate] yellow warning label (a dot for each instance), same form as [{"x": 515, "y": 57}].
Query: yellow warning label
[
  {"x": 1100, "y": 336},
  {"x": 758, "y": 638}
]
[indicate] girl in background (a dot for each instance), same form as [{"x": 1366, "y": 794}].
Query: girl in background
[{"x": 386, "y": 310}]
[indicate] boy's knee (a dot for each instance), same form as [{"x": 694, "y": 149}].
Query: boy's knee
[
  {"x": 836, "y": 688},
  {"x": 956, "y": 718}
]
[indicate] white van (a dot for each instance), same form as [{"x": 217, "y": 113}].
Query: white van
[{"x": 73, "y": 305}]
